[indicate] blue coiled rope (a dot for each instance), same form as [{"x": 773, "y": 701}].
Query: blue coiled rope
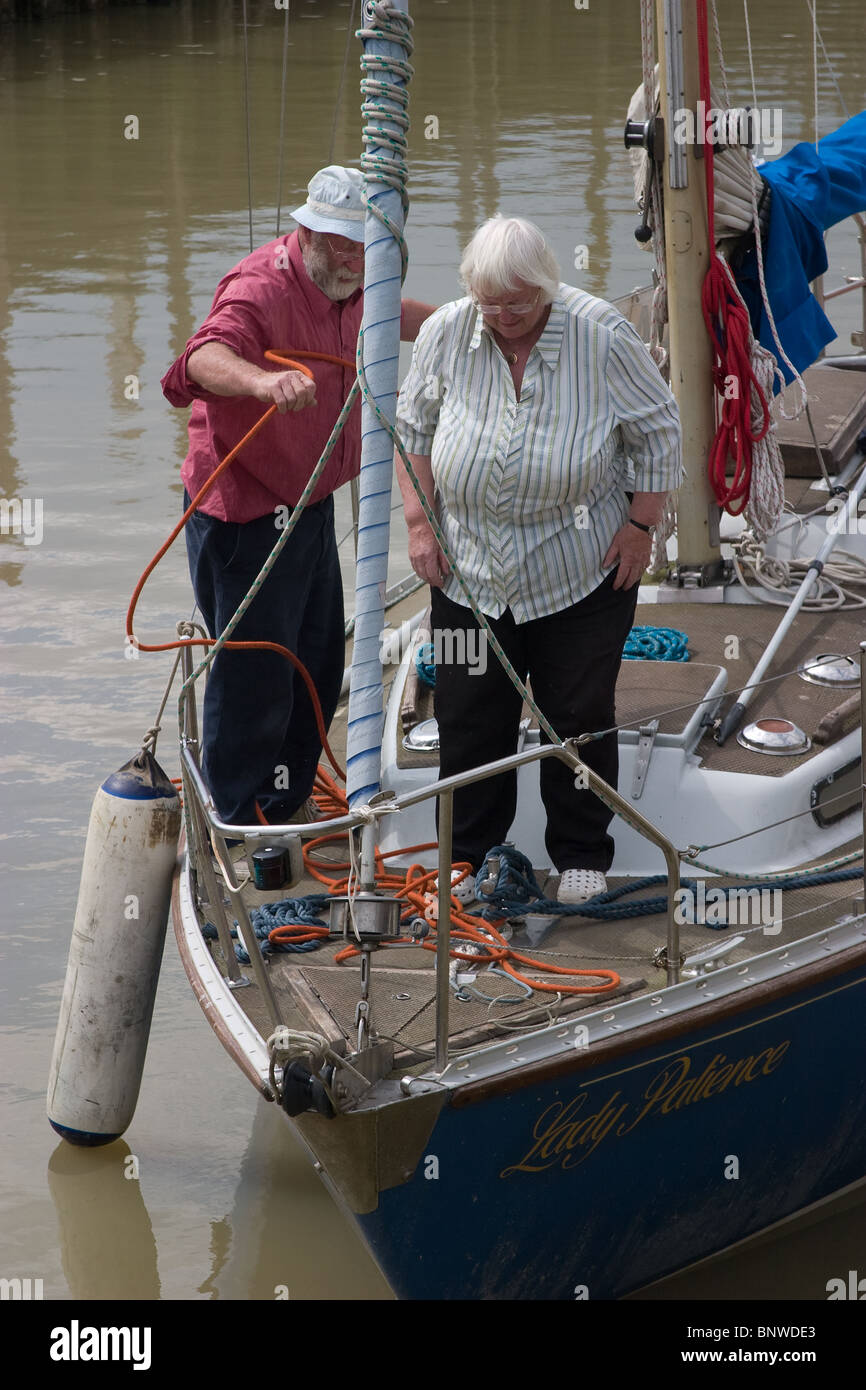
[
  {"x": 287, "y": 912},
  {"x": 656, "y": 644},
  {"x": 424, "y": 664},
  {"x": 517, "y": 892},
  {"x": 642, "y": 644}
]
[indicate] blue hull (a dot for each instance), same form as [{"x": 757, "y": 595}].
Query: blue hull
[{"x": 600, "y": 1179}]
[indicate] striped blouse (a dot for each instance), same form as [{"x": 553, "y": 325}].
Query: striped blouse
[{"x": 532, "y": 491}]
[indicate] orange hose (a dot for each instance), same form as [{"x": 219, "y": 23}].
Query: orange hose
[{"x": 414, "y": 887}]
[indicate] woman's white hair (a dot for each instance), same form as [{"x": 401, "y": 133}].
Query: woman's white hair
[{"x": 506, "y": 250}]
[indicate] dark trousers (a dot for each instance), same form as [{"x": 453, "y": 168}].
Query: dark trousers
[
  {"x": 260, "y": 741},
  {"x": 572, "y": 659}
]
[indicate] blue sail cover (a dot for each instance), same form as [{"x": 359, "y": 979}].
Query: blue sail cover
[{"x": 812, "y": 189}]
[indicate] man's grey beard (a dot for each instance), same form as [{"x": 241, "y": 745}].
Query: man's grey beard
[{"x": 336, "y": 284}]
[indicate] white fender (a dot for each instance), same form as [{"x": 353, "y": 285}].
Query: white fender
[{"x": 115, "y": 954}]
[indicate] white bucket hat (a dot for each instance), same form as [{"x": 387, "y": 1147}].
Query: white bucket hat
[{"x": 334, "y": 203}]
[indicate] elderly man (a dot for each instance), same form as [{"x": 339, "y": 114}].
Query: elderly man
[
  {"x": 537, "y": 422},
  {"x": 303, "y": 292}
]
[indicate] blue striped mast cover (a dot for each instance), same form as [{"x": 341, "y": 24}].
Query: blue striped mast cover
[{"x": 381, "y": 351}]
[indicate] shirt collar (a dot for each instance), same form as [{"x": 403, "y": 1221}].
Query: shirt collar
[{"x": 548, "y": 344}]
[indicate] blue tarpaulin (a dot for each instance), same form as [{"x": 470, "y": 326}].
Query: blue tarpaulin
[{"x": 812, "y": 189}]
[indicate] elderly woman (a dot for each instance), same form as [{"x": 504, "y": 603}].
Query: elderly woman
[{"x": 546, "y": 440}]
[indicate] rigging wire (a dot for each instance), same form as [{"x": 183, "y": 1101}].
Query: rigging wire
[
  {"x": 832, "y": 71},
  {"x": 247, "y": 123},
  {"x": 719, "y": 844},
  {"x": 282, "y": 139},
  {"x": 749, "y": 47},
  {"x": 815, "y": 66},
  {"x": 338, "y": 103}
]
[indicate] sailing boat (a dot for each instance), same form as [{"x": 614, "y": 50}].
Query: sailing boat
[{"x": 711, "y": 1086}]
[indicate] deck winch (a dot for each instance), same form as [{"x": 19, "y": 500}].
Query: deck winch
[{"x": 370, "y": 916}]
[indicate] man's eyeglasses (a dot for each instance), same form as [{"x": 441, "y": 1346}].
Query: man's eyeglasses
[
  {"x": 491, "y": 310},
  {"x": 341, "y": 254}
]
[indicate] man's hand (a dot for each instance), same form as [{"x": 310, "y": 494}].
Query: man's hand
[
  {"x": 220, "y": 370},
  {"x": 286, "y": 390},
  {"x": 425, "y": 557},
  {"x": 630, "y": 549}
]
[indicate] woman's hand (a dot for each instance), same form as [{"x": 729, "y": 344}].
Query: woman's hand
[
  {"x": 630, "y": 549},
  {"x": 425, "y": 556}
]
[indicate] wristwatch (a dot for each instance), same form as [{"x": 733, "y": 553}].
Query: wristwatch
[{"x": 640, "y": 526}]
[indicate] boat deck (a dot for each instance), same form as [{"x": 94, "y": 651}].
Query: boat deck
[
  {"x": 316, "y": 993},
  {"x": 670, "y": 690}
]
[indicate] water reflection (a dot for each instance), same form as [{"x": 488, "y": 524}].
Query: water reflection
[
  {"x": 283, "y": 1227},
  {"x": 107, "y": 1245}
]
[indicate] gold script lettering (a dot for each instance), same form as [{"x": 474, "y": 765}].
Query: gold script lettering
[
  {"x": 557, "y": 1132},
  {"x": 567, "y": 1132}
]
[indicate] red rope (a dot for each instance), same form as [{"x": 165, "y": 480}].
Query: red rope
[{"x": 727, "y": 323}]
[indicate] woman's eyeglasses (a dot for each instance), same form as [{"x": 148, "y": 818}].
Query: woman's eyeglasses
[{"x": 492, "y": 310}]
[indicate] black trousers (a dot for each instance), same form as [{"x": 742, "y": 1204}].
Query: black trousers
[
  {"x": 260, "y": 741},
  {"x": 572, "y": 659}
]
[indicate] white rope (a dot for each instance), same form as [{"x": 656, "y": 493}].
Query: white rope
[
  {"x": 780, "y": 579},
  {"x": 721, "y": 56},
  {"x": 662, "y": 533},
  {"x": 765, "y": 300},
  {"x": 766, "y": 502},
  {"x": 285, "y": 1044}
]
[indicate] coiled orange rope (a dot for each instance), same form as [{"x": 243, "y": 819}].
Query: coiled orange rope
[{"x": 416, "y": 888}]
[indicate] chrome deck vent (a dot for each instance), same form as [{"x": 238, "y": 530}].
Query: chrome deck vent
[
  {"x": 424, "y": 738},
  {"x": 831, "y": 668},
  {"x": 776, "y": 736}
]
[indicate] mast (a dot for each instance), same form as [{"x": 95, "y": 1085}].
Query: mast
[
  {"x": 386, "y": 47},
  {"x": 687, "y": 257}
]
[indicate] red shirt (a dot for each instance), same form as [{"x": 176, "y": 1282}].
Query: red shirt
[{"x": 269, "y": 301}]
